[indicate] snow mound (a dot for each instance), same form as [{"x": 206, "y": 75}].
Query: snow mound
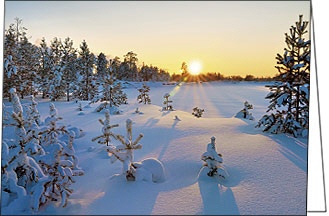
[
  {"x": 150, "y": 169},
  {"x": 242, "y": 115},
  {"x": 76, "y": 132}
]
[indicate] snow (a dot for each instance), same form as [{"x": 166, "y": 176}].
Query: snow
[{"x": 267, "y": 172}]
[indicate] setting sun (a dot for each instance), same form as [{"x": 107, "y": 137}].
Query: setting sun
[{"x": 195, "y": 68}]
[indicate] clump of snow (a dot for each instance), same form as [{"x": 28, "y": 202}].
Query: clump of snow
[{"x": 150, "y": 169}]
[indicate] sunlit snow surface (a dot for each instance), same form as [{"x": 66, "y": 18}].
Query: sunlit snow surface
[{"x": 267, "y": 173}]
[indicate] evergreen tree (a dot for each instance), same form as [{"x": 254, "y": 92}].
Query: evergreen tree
[
  {"x": 214, "y": 161},
  {"x": 111, "y": 94},
  {"x": 33, "y": 115},
  {"x": 101, "y": 66},
  {"x": 197, "y": 112},
  {"x": 125, "y": 152},
  {"x": 69, "y": 65},
  {"x": 114, "y": 65},
  {"x": 29, "y": 66},
  {"x": 18, "y": 54},
  {"x": 21, "y": 174},
  {"x": 87, "y": 87},
  {"x": 167, "y": 102},
  {"x": 244, "y": 113},
  {"x": 105, "y": 138},
  {"x": 144, "y": 97},
  {"x": 45, "y": 69},
  {"x": 289, "y": 98},
  {"x": 128, "y": 68},
  {"x": 60, "y": 162}
]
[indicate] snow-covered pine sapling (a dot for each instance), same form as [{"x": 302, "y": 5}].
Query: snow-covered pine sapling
[
  {"x": 125, "y": 152},
  {"x": 53, "y": 114},
  {"x": 176, "y": 118},
  {"x": 244, "y": 113},
  {"x": 80, "y": 106},
  {"x": 137, "y": 111},
  {"x": 20, "y": 171},
  {"x": 213, "y": 160},
  {"x": 144, "y": 97},
  {"x": 33, "y": 116},
  {"x": 105, "y": 138},
  {"x": 197, "y": 112},
  {"x": 34, "y": 111},
  {"x": 167, "y": 103},
  {"x": 111, "y": 95},
  {"x": 59, "y": 162}
]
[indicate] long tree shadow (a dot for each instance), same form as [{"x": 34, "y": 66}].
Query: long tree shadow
[
  {"x": 292, "y": 148},
  {"x": 217, "y": 199},
  {"x": 295, "y": 149},
  {"x": 139, "y": 197}
]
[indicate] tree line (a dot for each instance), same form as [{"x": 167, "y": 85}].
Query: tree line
[{"x": 58, "y": 69}]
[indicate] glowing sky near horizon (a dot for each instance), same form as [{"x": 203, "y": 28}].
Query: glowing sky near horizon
[{"x": 230, "y": 37}]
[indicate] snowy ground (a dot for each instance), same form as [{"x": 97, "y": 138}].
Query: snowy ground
[{"x": 268, "y": 173}]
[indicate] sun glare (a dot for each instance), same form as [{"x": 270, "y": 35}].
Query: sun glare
[{"x": 195, "y": 68}]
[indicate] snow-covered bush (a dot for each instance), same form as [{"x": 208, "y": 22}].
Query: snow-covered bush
[
  {"x": 125, "y": 152},
  {"x": 144, "y": 97},
  {"x": 244, "y": 113},
  {"x": 167, "y": 103},
  {"x": 105, "y": 138},
  {"x": 60, "y": 162},
  {"x": 33, "y": 115},
  {"x": 197, "y": 112},
  {"x": 214, "y": 161},
  {"x": 21, "y": 174}
]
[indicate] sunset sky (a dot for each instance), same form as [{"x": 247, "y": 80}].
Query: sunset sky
[{"x": 230, "y": 37}]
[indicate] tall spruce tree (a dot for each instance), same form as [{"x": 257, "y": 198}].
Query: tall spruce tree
[
  {"x": 15, "y": 57},
  {"x": 87, "y": 88},
  {"x": 101, "y": 66},
  {"x": 69, "y": 65},
  {"x": 45, "y": 67},
  {"x": 289, "y": 97},
  {"x": 111, "y": 94},
  {"x": 128, "y": 68}
]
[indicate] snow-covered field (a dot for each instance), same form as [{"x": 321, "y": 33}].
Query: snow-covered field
[{"x": 268, "y": 173}]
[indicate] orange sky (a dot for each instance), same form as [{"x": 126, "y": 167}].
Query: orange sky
[{"x": 231, "y": 37}]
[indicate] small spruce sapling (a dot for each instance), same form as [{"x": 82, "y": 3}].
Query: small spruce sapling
[
  {"x": 33, "y": 115},
  {"x": 125, "y": 152},
  {"x": 144, "y": 97},
  {"x": 244, "y": 113},
  {"x": 20, "y": 173},
  {"x": 105, "y": 138},
  {"x": 80, "y": 106},
  {"x": 111, "y": 95},
  {"x": 213, "y": 160},
  {"x": 197, "y": 112},
  {"x": 167, "y": 103},
  {"x": 59, "y": 163}
]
